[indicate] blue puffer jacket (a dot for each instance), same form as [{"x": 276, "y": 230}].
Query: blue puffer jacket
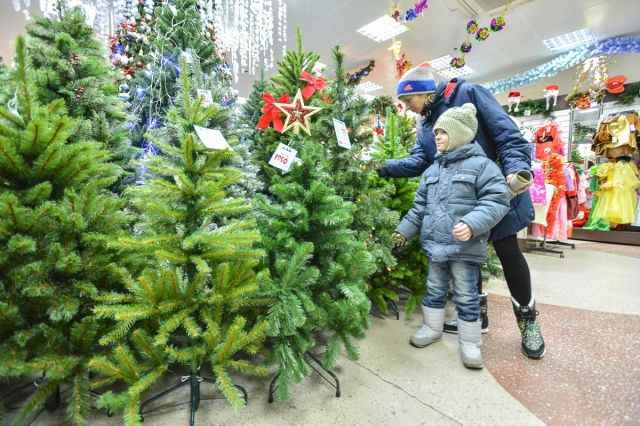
[
  {"x": 497, "y": 135},
  {"x": 460, "y": 186}
]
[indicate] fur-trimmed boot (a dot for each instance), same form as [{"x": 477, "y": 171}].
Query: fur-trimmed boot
[
  {"x": 431, "y": 330},
  {"x": 532, "y": 342},
  {"x": 451, "y": 326},
  {"x": 470, "y": 340}
]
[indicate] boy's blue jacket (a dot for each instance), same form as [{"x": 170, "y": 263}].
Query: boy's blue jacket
[
  {"x": 497, "y": 135},
  {"x": 460, "y": 186}
]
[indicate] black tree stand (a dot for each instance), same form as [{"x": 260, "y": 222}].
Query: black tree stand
[
  {"x": 193, "y": 380},
  {"x": 308, "y": 358}
]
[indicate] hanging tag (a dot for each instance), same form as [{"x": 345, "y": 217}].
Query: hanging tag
[
  {"x": 283, "y": 157},
  {"x": 341, "y": 133},
  {"x": 207, "y": 98},
  {"x": 527, "y": 112},
  {"x": 632, "y": 127},
  {"x": 212, "y": 138}
]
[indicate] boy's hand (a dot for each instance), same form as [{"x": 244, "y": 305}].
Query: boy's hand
[
  {"x": 462, "y": 231},
  {"x": 401, "y": 239}
]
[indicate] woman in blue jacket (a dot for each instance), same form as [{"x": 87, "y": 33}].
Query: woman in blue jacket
[{"x": 502, "y": 142}]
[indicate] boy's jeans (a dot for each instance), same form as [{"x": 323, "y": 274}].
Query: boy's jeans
[{"x": 465, "y": 289}]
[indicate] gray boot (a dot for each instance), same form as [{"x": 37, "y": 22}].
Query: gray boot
[
  {"x": 470, "y": 340},
  {"x": 431, "y": 330}
]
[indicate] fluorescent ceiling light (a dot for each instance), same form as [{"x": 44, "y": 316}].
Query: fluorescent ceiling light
[
  {"x": 569, "y": 40},
  {"x": 442, "y": 66},
  {"x": 383, "y": 29},
  {"x": 367, "y": 97},
  {"x": 367, "y": 87}
]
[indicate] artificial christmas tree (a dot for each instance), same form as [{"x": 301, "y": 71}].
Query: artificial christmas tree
[
  {"x": 56, "y": 218},
  {"x": 150, "y": 52},
  {"x": 304, "y": 219},
  {"x": 373, "y": 221},
  {"x": 412, "y": 265},
  {"x": 70, "y": 63},
  {"x": 193, "y": 304}
]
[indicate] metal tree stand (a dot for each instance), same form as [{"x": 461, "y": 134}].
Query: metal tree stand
[
  {"x": 308, "y": 358},
  {"x": 193, "y": 380}
]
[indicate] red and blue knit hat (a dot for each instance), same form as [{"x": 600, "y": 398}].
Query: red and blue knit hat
[{"x": 416, "y": 81}]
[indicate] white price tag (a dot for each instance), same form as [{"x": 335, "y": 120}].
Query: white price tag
[
  {"x": 341, "y": 133},
  {"x": 632, "y": 127},
  {"x": 212, "y": 138},
  {"x": 207, "y": 98},
  {"x": 527, "y": 112},
  {"x": 283, "y": 157}
]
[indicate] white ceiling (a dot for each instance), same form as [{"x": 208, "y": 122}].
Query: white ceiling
[{"x": 437, "y": 33}]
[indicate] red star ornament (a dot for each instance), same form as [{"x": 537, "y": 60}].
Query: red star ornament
[{"x": 297, "y": 114}]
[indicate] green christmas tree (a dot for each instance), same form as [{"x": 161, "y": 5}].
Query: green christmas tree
[
  {"x": 177, "y": 29},
  {"x": 56, "y": 218},
  {"x": 373, "y": 221},
  {"x": 316, "y": 265},
  {"x": 70, "y": 63},
  {"x": 412, "y": 265},
  {"x": 194, "y": 304}
]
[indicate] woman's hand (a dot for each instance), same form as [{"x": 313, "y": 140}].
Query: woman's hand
[{"x": 401, "y": 239}]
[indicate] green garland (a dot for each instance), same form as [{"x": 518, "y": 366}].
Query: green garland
[
  {"x": 628, "y": 97},
  {"x": 536, "y": 107}
]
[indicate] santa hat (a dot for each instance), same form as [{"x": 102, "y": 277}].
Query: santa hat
[{"x": 416, "y": 81}]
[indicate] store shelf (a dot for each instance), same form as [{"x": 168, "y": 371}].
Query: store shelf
[{"x": 616, "y": 237}]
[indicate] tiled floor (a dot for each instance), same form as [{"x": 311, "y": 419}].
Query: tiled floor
[{"x": 588, "y": 303}]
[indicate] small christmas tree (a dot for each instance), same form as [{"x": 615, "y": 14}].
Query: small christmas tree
[
  {"x": 192, "y": 306},
  {"x": 56, "y": 217},
  {"x": 373, "y": 221},
  {"x": 412, "y": 265},
  {"x": 70, "y": 63},
  {"x": 316, "y": 264}
]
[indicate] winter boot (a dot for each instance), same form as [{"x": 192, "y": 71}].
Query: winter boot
[
  {"x": 470, "y": 339},
  {"x": 532, "y": 343},
  {"x": 431, "y": 330},
  {"x": 451, "y": 326}
]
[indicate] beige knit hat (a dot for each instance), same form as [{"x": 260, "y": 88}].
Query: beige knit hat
[{"x": 460, "y": 123}]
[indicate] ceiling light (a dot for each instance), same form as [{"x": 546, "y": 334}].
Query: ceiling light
[
  {"x": 367, "y": 87},
  {"x": 583, "y": 37},
  {"x": 367, "y": 97},
  {"x": 442, "y": 66},
  {"x": 382, "y": 29}
]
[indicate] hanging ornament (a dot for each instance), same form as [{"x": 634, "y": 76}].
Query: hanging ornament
[
  {"x": 297, "y": 114},
  {"x": 551, "y": 93},
  {"x": 481, "y": 34},
  {"x": 411, "y": 13},
  {"x": 498, "y": 24},
  {"x": 402, "y": 65},
  {"x": 513, "y": 100},
  {"x": 591, "y": 82}
]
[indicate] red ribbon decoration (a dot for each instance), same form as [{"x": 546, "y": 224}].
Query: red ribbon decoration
[
  {"x": 313, "y": 84},
  {"x": 270, "y": 113}
]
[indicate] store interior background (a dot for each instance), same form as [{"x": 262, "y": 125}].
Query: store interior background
[{"x": 437, "y": 33}]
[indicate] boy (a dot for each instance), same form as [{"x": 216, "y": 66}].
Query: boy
[{"x": 462, "y": 196}]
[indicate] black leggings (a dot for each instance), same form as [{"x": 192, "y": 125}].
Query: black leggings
[{"x": 516, "y": 270}]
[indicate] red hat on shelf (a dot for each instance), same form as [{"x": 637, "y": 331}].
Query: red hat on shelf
[
  {"x": 615, "y": 84},
  {"x": 513, "y": 94},
  {"x": 553, "y": 87}
]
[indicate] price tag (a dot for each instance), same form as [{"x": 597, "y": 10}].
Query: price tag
[
  {"x": 207, "y": 98},
  {"x": 212, "y": 138},
  {"x": 632, "y": 127},
  {"x": 341, "y": 133},
  {"x": 283, "y": 157},
  {"x": 527, "y": 112}
]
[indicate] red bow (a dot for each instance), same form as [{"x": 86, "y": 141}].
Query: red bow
[
  {"x": 271, "y": 113},
  {"x": 313, "y": 84}
]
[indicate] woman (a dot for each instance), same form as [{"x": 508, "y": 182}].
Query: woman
[{"x": 502, "y": 142}]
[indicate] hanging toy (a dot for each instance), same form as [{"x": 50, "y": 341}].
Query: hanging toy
[
  {"x": 513, "y": 100},
  {"x": 551, "y": 92},
  {"x": 472, "y": 26},
  {"x": 465, "y": 47},
  {"x": 457, "y": 62},
  {"x": 124, "y": 92},
  {"x": 482, "y": 34},
  {"x": 497, "y": 24}
]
